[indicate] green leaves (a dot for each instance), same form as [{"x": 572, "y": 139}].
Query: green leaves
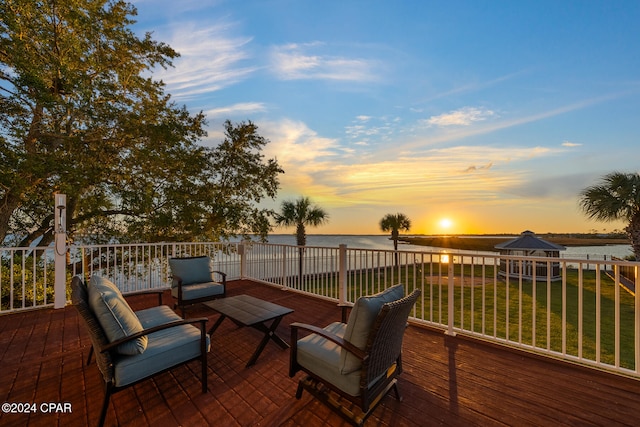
[
  {"x": 301, "y": 213},
  {"x": 81, "y": 116},
  {"x": 395, "y": 222},
  {"x": 617, "y": 197}
]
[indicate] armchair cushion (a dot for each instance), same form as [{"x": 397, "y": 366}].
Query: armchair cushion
[
  {"x": 322, "y": 357},
  {"x": 115, "y": 316},
  {"x": 360, "y": 323},
  {"x": 199, "y": 290},
  {"x": 191, "y": 270}
]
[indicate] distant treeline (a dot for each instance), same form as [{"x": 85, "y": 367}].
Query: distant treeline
[{"x": 488, "y": 243}]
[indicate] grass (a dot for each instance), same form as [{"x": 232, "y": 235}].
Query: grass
[{"x": 540, "y": 314}]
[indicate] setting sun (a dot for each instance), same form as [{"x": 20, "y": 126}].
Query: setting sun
[{"x": 445, "y": 223}]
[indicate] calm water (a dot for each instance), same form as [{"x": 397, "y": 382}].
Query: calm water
[{"x": 383, "y": 242}]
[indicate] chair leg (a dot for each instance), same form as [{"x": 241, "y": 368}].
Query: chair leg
[
  {"x": 299, "y": 390},
  {"x": 181, "y": 307},
  {"x": 203, "y": 362},
  {"x": 396, "y": 391},
  {"x": 105, "y": 404},
  {"x": 90, "y": 354},
  {"x": 351, "y": 411}
]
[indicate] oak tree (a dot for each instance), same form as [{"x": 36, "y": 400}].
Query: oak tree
[{"x": 82, "y": 115}]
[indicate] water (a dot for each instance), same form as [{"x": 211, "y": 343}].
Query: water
[{"x": 383, "y": 242}]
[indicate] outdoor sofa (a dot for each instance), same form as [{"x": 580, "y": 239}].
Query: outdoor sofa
[{"x": 130, "y": 346}]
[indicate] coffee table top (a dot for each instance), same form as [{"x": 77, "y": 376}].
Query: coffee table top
[{"x": 248, "y": 310}]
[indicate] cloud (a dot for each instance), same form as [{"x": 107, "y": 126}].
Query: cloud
[
  {"x": 474, "y": 168},
  {"x": 336, "y": 176},
  {"x": 369, "y": 130},
  {"x": 209, "y": 59},
  {"x": 462, "y": 117},
  {"x": 235, "y": 109},
  {"x": 560, "y": 187},
  {"x": 302, "y": 154},
  {"x": 422, "y": 139},
  {"x": 306, "y": 61},
  {"x": 474, "y": 86},
  {"x": 298, "y": 148},
  {"x": 570, "y": 144}
]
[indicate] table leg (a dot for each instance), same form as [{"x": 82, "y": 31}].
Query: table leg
[
  {"x": 282, "y": 343},
  {"x": 269, "y": 333},
  {"x": 215, "y": 325}
]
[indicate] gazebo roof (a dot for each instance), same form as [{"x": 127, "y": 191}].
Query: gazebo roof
[{"x": 529, "y": 241}]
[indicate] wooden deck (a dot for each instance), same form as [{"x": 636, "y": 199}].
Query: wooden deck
[{"x": 447, "y": 381}]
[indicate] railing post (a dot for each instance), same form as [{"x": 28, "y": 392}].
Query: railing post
[
  {"x": 60, "y": 252},
  {"x": 284, "y": 267},
  {"x": 243, "y": 260},
  {"x": 342, "y": 274},
  {"x": 451, "y": 298}
]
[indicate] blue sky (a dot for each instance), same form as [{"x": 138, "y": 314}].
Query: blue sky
[{"x": 491, "y": 114}]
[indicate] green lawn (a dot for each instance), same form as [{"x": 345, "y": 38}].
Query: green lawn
[{"x": 485, "y": 308}]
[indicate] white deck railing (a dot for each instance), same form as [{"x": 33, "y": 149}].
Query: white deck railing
[
  {"x": 584, "y": 311},
  {"x": 26, "y": 278}
]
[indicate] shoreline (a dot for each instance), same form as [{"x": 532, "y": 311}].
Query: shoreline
[{"x": 488, "y": 243}]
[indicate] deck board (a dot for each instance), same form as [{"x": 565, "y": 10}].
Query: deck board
[{"x": 450, "y": 381}]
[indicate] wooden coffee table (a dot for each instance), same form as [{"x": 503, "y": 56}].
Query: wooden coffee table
[{"x": 245, "y": 310}]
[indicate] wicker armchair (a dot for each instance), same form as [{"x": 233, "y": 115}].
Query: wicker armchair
[{"x": 359, "y": 360}]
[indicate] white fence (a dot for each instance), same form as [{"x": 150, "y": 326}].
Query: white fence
[
  {"x": 574, "y": 309},
  {"x": 137, "y": 267},
  {"x": 26, "y": 278}
]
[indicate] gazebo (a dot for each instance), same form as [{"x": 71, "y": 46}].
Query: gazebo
[{"x": 529, "y": 245}]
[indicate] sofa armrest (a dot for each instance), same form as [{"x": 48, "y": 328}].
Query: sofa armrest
[
  {"x": 224, "y": 279},
  {"x": 114, "y": 344},
  {"x": 221, "y": 273}
]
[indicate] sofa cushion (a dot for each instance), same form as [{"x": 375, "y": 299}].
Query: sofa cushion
[
  {"x": 361, "y": 319},
  {"x": 154, "y": 316},
  {"x": 166, "y": 348},
  {"x": 191, "y": 270},
  {"x": 115, "y": 316}
]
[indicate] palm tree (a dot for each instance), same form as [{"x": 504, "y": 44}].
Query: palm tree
[
  {"x": 617, "y": 197},
  {"x": 395, "y": 223},
  {"x": 301, "y": 213}
]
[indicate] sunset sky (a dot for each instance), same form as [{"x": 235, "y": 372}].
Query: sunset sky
[{"x": 466, "y": 116}]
